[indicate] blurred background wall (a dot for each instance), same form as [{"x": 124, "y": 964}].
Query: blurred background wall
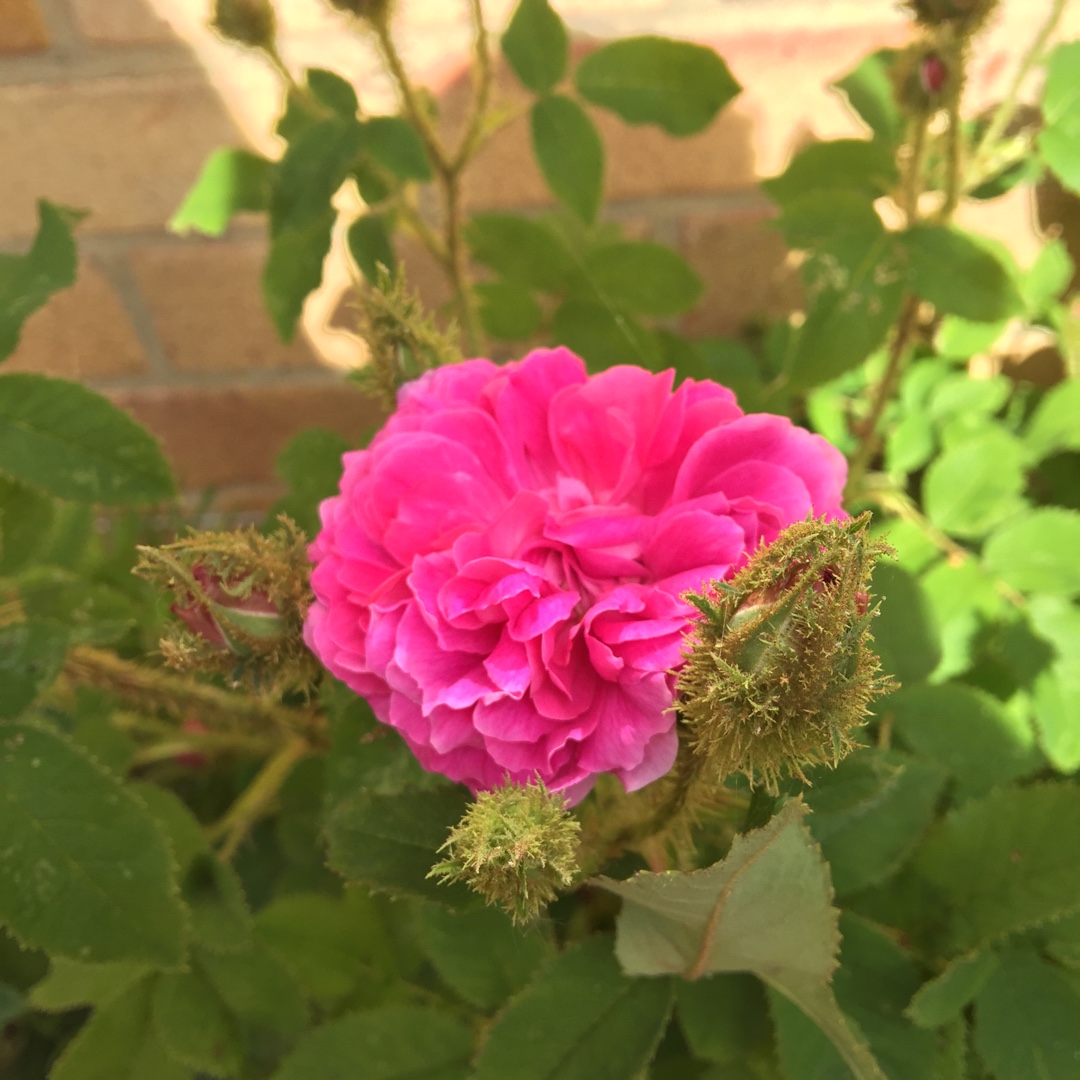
[{"x": 113, "y": 105}]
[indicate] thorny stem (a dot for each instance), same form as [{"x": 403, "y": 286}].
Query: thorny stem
[
  {"x": 448, "y": 169},
  {"x": 182, "y": 697},
  {"x": 1005, "y": 112},
  {"x": 211, "y": 743},
  {"x": 883, "y": 394},
  {"x": 913, "y": 171},
  {"x": 257, "y": 800},
  {"x": 954, "y": 152}
]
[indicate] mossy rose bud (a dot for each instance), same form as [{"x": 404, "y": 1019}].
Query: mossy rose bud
[
  {"x": 780, "y": 671},
  {"x": 240, "y": 599},
  {"x": 516, "y": 846}
]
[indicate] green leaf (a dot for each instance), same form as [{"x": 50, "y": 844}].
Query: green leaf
[
  {"x": 724, "y": 1016},
  {"x": 959, "y": 274},
  {"x": 231, "y": 182},
  {"x": 220, "y": 919},
  {"x": 390, "y": 842},
  {"x": 259, "y": 991},
  {"x": 91, "y": 613},
  {"x": 874, "y": 983},
  {"x": 320, "y": 938},
  {"x": 997, "y": 861},
  {"x": 310, "y": 463},
  {"x": 370, "y": 246},
  {"x": 854, "y": 282},
  {"x": 27, "y": 281},
  {"x": 315, "y": 165},
  {"x": 975, "y": 484},
  {"x": 396, "y": 1042},
  {"x": 676, "y": 85},
  {"x": 333, "y": 91},
  {"x": 1048, "y": 277},
  {"x": 383, "y": 765},
  {"x": 910, "y": 445},
  {"x": 31, "y": 656},
  {"x": 294, "y": 269},
  {"x": 602, "y": 336},
  {"x": 580, "y": 1018},
  {"x": 72, "y": 442},
  {"x": 181, "y": 828},
  {"x": 536, "y": 45},
  {"x": 1056, "y": 697},
  {"x": 870, "y": 814},
  {"x": 194, "y": 1026},
  {"x": 861, "y": 165},
  {"x": 870, "y": 93},
  {"x": 943, "y": 998},
  {"x": 905, "y": 631},
  {"x": 1059, "y": 140},
  {"x": 395, "y": 144},
  {"x": 1038, "y": 552},
  {"x": 570, "y": 154},
  {"x": 522, "y": 250},
  {"x": 25, "y": 517},
  {"x": 119, "y": 1043},
  {"x": 508, "y": 311},
  {"x": 967, "y": 731},
  {"x": 86, "y": 873},
  {"x": 737, "y": 915},
  {"x": 958, "y": 397},
  {"x": 1053, "y": 425},
  {"x": 72, "y": 985},
  {"x": 480, "y": 954},
  {"x": 1027, "y": 1021},
  {"x": 961, "y": 339},
  {"x": 643, "y": 277}
]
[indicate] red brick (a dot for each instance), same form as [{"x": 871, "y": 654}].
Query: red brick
[
  {"x": 126, "y": 149},
  {"x": 81, "y": 333},
  {"x": 744, "y": 264},
  {"x": 207, "y": 306},
  {"x": 120, "y": 22},
  {"x": 220, "y": 437},
  {"x": 22, "y": 27}
]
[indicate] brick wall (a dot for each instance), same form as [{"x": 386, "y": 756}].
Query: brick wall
[{"x": 113, "y": 105}]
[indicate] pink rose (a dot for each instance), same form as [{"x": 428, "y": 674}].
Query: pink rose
[{"x": 501, "y": 575}]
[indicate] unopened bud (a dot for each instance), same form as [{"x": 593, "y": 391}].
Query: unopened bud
[
  {"x": 226, "y": 613},
  {"x": 240, "y": 598},
  {"x": 780, "y": 670},
  {"x": 933, "y": 74},
  {"x": 247, "y": 22},
  {"x": 516, "y": 846},
  {"x": 924, "y": 79}
]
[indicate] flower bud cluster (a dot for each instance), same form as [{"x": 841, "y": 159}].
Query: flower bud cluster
[
  {"x": 240, "y": 600},
  {"x": 516, "y": 846},
  {"x": 780, "y": 669}
]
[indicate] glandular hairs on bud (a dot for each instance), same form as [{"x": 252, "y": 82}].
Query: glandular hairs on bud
[
  {"x": 516, "y": 846},
  {"x": 780, "y": 669}
]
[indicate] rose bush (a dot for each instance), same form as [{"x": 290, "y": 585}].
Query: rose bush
[{"x": 501, "y": 575}]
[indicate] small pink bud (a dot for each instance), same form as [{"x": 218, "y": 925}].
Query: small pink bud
[
  {"x": 933, "y": 74},
  {"x": 221, "y": 609}
]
